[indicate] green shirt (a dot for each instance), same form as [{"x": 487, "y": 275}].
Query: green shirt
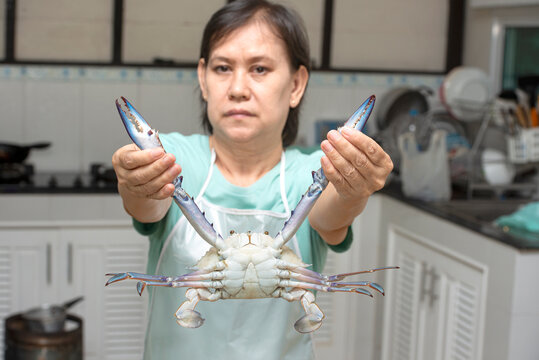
[{"x": 194, "y": 155}]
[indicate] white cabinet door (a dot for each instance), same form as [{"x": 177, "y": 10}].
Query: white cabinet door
[
  {"x": 114, "y": 316},
  {"x": 435, "y": 311},
  {"x": 27, "y": 271}
]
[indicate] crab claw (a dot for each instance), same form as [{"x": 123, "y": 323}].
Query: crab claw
[
  {"x": 360, "y": 117},
  {"x": 299, "y": 214},
  {"x": 116, "y": 277},
  {"x": 138, "y": 129}
]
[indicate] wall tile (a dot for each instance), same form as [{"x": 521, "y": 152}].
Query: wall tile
[
  {"x": 73, "y": 107},
  {"x": 171, "y": 107},
  {"x": 53, "y": 113},
  {"x": 102, "y": 130},
  {"x": 12, "y": 105}
]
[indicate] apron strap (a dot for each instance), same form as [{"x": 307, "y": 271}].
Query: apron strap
[
  {"x": 208, "y": 177},
  {"x": 282, "y": 183}
]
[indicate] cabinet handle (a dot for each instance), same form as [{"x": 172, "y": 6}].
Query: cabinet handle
[
  {"x": 69, "y": 263},
  {"x": 424, "y": 273},
  {"x": 432, "y": 289},
  {"x": 49, "y": 264}
]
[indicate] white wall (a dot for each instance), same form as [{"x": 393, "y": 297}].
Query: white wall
[
  {"x": 478, "y": 30},
  {"x": 73, "y": 107}
]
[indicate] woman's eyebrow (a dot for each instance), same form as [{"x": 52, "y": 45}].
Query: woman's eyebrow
[{"x": 252, "y": 59}]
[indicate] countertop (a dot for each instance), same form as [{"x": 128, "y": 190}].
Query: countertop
[
  {"x": 61, "y": 183},
  {"x": 461, "y": 212},
  {"x": 450, "y": 211}
]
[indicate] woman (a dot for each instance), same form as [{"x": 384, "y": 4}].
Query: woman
[{"x": 253, "y": 71}]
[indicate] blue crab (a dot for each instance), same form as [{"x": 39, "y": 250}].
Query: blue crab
[{"x": 247, "y": 265}]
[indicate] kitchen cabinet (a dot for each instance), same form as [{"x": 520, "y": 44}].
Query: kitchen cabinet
[
  {"x": 436, "y": 308},
  {"x": 459, "y": 294},
  {"x": 53, "y": 260}
]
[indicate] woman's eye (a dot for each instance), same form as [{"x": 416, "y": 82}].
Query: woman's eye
[
  {"x": 221, "y": 68},
  {"x": 260, "y": 70}
]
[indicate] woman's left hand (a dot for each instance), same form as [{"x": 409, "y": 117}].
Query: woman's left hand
[{"x": 354, "y": 163}]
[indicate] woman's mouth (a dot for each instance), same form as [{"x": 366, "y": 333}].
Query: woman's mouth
[{"x": 238, "y": 113}]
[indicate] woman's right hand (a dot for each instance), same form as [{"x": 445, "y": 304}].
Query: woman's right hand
[{"x": 143, "y": 178}]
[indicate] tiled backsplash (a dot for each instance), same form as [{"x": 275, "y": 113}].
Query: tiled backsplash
[{"x": 73, "y": 107}]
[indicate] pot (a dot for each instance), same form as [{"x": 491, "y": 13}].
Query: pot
[
  {"x": 398, "y": 102},
  {"x": 48, "y": 318},
  {"x": 12, "y": 153}
]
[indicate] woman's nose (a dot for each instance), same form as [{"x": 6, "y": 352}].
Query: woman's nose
[{"x": 239, "y": 89}]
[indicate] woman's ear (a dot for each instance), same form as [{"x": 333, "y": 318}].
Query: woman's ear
[
  {"x": 301, "y": 77},
  {"x": 201, "y": 73}
]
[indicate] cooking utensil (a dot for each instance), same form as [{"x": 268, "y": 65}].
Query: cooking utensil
[
  {"x": 13, "y": 153},
  {"x": 398, "y": 102},
  {"x": 48, "y": 318}
]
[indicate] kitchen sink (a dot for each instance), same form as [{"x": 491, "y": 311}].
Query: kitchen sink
[{"x": 480, "y": 211}]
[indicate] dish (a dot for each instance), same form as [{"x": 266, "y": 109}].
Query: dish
[
  {"x": 466, "y": 92},
  {"x": 496, "y": 168}
]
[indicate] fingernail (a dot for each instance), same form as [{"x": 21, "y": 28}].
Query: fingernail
[
  {"x": 334, "y": 135},
  {"x": 326, "y": 146},
  {"x": 346, "y": 131}
]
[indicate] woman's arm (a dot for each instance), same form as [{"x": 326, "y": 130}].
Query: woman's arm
[
  {"x": 145, "y": 181},
  {"x": 356, "y": 167}
]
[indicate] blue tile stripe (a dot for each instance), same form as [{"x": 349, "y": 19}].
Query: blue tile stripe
[{"x": 189, "y": 76}]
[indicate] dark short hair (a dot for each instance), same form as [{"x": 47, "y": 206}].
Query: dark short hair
[{"x": 286, "y": 24}]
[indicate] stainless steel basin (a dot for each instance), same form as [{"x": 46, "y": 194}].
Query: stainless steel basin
[
  {"x": 479, "y": 215},
  {"x": 480, "y": 211}
]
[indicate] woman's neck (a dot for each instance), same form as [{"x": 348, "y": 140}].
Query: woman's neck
[{"x": 242, "y": 165}]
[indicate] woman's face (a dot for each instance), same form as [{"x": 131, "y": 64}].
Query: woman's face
[{"x": 249, "y": 85}]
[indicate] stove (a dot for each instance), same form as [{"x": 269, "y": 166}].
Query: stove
[{"x": 22, "y": 178}]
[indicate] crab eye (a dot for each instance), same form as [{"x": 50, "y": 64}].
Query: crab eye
[
  {"x": 266, "y": 233},
  {"x": 232, "y": 232}
]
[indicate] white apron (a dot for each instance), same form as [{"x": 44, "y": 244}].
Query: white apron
[{"x": 234, "y": 329}]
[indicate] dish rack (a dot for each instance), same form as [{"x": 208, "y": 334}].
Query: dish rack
[{"x": 522, "y": 149}]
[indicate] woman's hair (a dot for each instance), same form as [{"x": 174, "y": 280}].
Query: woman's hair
[{"x": 286, "y": 24}]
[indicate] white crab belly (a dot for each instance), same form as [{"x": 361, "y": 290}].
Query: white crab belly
[{"x": 250, "y": 278}]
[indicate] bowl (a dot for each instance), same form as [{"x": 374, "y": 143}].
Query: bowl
[{"x": 496, "y": 167}]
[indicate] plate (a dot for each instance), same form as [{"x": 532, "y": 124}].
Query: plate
[{"x": 467, "y": 92}]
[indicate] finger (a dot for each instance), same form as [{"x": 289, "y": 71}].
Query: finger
[
  {"x": 165, "y": 192},
  {"x": 337, "y": 169},
  {"x": 160, "y": 187},
  {"x": 354, "y": 158},
  {"x": 370, "y": 148},
  {"x": 133, "y": 158},
  {"x": 144, "y": 174}
]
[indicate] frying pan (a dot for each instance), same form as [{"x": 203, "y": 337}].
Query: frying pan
[{"x": 13, "y": 153}]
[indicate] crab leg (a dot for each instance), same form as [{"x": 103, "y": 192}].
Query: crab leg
[
  {"x": 338, "y": 277},
  {"x": 313, "y": 317},
  {"x": 186, "y": 315},
  {"x": 291, "y": 226},
  {"x": 147, "y": 138},
  {"x": 194, "y": 279}
]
